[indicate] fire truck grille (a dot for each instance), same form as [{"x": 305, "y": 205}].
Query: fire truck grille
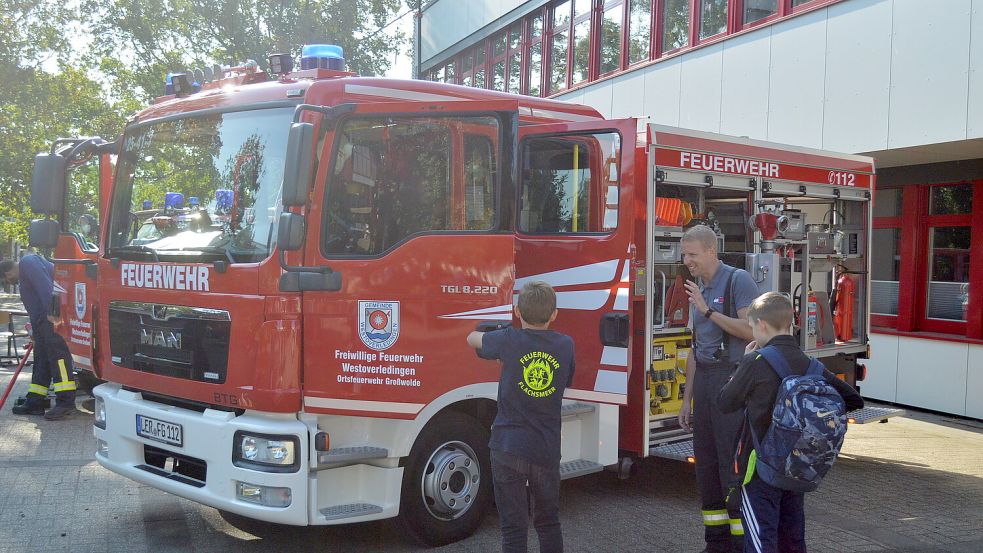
[{"x": 170, "y": 340}]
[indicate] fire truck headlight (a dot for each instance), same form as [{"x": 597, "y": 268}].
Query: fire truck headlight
[
  {"x": 265, "y": 452},
  {"x": 99, "y": 417}
]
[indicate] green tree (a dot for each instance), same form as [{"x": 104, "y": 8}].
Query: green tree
[{"x": 166, "y": 36}]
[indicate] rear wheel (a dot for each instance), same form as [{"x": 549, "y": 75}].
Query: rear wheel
[{"x": 447, "y": 482}]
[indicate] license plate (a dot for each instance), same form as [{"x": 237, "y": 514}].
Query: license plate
[{"x": 160, "y": 431}]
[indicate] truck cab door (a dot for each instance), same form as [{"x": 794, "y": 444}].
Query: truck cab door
[
  {"x": 75, "y": 258},
  {"x": 412, "y": 206},
  {"x": 574, "y": 225}
]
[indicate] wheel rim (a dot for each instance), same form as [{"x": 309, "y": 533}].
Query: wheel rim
[{"x": 451, "y": 479}]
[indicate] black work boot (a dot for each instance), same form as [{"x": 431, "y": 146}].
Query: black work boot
[
  {"x": 60, "y": 411},
  {"x": 28, "y": 407}
]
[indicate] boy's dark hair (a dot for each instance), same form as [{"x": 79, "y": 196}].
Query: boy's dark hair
[
  {"x": 537, "y": 302},
  {"x": 772, "y": 308}
]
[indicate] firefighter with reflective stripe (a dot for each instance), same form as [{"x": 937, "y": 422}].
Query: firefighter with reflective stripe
[
  {"x": 52, "y": 360},
  {"x": 719, "y": 315}
]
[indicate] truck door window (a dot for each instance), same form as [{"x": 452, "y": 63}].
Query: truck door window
[
  {"x": 82, "y": 205},
  {"x": 570, "y": 184},
  {"x": 393, "y": 178}
]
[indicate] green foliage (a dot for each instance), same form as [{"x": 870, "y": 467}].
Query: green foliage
[{"x": 49, "y": 91}]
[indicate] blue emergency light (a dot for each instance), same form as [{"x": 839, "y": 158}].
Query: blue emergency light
[
  {"x": 223, "y": 198},
  {"x": 193, "y": 201},
  {"x": 322, "y": 56},
  {"x": 173, "y": 200},
  {"x": 147, "y": 204}
]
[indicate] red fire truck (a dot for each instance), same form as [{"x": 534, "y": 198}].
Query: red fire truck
[{"x": 288, "y": 265}]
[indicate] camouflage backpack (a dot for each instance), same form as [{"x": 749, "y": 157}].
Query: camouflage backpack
[{"x": 808, "y": 425}]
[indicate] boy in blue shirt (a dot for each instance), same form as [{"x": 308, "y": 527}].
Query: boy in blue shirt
[{"x": 537, "y": 366}]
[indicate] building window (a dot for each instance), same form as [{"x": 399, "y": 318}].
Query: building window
[
  {"x": 948, "y": 285},
  {"x": 885, "y": 266},
  {"x": 534, "y": 66},
  {"x": 713, "y": 18},
  {"x": 581, "y": 42},
  {"x": 450, "y": 75},
  {"x": 515, "y": 59},
  {"x": 756, "y": 10},
  {"x": 467, "y": 70},
  {"x": 612, "y": 23},
  {"x": 499, "y": 49},
  {"x": 639, "y": 30},
  {"x": 559, "y": 46},
  {"x": 951, "y": 200},
  {"x": 479, "y": 67},
  {"x": 675, "y": 25}
]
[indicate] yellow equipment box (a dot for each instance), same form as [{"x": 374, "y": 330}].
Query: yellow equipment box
[{"x": 667, "y": 375}]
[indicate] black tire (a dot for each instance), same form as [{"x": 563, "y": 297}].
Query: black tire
[{"x": 444, "y": 496}]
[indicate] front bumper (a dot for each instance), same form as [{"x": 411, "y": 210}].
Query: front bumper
[{"x": 208, "y": 436}]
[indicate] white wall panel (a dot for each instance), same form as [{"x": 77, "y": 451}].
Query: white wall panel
[
  {"x": 662, "y": 92},
  {"x": 974, "y": 383},
  {"x": 437, "y": 34},
  {"x": 882, "y": 369},
  {"x": 599, "y": 98},
  {"x": 699, "y": 89},
  {"x": 929, "y": 72},
  {"x": 795, "y": 95},
  {"x": 974, "y": 123},
  {"x": 858, "y": 76},
  {"x": 745, "y": 76},
  {"x": 628, "y": 95},
  {"x": 932, "y": 374}
]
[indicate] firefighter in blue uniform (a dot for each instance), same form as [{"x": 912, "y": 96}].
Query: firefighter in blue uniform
[
  {"x": 52, "y": 360},
  {"x": 719, "y": 315}
]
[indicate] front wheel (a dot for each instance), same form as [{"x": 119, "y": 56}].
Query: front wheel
[{"x": 447, "y": 483}]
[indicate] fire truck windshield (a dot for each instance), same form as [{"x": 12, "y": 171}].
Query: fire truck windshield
[{"x": 204, "y": 187}]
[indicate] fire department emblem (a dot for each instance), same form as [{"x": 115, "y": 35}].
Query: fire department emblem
[
  {"x": 378, "y": 323},
  {"x": 80, "y": 300}
]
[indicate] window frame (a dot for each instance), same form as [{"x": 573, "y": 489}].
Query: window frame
[
  {"x": 915, "y": 224},
  {"x": 499, "y": 183},
  {"x": 602, "y": 8},
  {"x": 527, "y": 44},
  {"x": 626, "y": 38}
]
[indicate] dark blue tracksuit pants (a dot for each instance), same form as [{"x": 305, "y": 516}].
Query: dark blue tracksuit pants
[
  {"x": 774, "y": 519},
  {"x": 511, "y": 475}
]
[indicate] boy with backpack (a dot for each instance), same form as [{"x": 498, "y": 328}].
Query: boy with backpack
[
  {"x": 795, "y": 423},
  {"x": 537, "y": 366}
]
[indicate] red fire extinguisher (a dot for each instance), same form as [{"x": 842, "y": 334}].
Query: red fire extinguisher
[{"x": 843, "y": 315}]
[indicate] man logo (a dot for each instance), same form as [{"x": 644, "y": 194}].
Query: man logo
[
  {"x": 160, "y": 338},
  {"x": 378, "y": 323}
]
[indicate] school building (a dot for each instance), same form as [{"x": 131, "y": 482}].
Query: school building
[{"x": 900, "y": 80}]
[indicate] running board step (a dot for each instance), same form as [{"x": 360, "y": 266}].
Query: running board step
[
  {"x": 354, "y": 454},
  {"x": 873, "y": 414},
  {"x": 579, "y": 467},
  {"x": 677, "y": 451},
  {"x": 574, "y": 409},
  {"x": 353, "y": 510}
]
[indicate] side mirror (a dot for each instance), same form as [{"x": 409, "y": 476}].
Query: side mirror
[
  {"x": 290, "y": 232},
  {"x": 297, "y": 172},
  {"x": 43, "y": 234},
  {"x": 48, "y": 184}
]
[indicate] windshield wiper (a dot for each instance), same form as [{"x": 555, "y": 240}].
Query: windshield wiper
[
  {"x": 220, "y": 264},
  {"x": 138, "y": 248}
]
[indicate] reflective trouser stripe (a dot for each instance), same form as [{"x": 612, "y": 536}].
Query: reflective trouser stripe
[
  {"x": 716, "y": 518},
  {"x": 37, "y": 389},
  {"x": 66, "y": 385},
  {"x": 736, "y": 528}
]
